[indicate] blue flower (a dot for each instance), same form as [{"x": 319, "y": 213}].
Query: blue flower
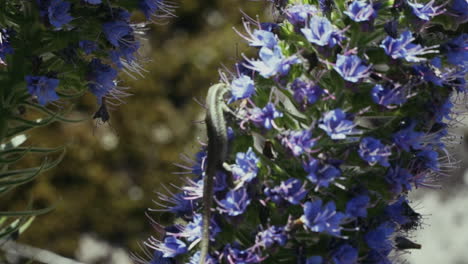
[
  {"x": 265, "y": 117},
  {"x": 43, "y": 88},
  {"x": 93, "y": 2},
  {"x": 5, "y": 47},
  {"x": 373, "y": 151},
  {"x": 241, "y": 88},
  {"x": 399, "y": 179},
  {"x": 246, "y": 168},
  {"x": 181, "y": 205},
  {"x": 314, "y": 260},
  {"x": 408, "y": 138},
  {"x": 326, "y": 6},
  {"x": 428, "y": 73},
  {"x": 101, "y": 78},
  {"x": 306, "y": 92},
  {"x": 115, "y": 32},
  {"x": 233, "y": 254},
  {"x": 159, "y": 259},
  {"x": 336, "y": 124},
  {"x": 298, "y": 14},
  {"x": 172, "y": 247},
  {"x": 320, "y": 31},
  {"x": 360, "y": 11},
  {"x": 403, "y": 48},
  {"x": 58, "y": 13},
  {"x": 151, "y": 7},
  {"x": 388, "y": 97},
  {"x": 270, "y": 236},
  {"x": 357, "y": 207},
  {"x": 298, "y": 141},
  {"x": 460, "y": 9},
  {"x": 88, "y": 46},
  {"x": 235, "y": 202},
  {"x": 345, "y": 254},
  {"x": 195, "y": 259},
  {"x": 291, "y": 190},
  {"x": 321, "y": 174},
  {"x": 428, "y": 159},
  {"x": 259, "y": 37},
  {"x": 400, "y": 212},
  {"x": 378, "y": 239},
  {"x": 193, "y": 230},
  {"x": 457, "y": 50},
  {"x": 351, "y": 68},
  {"x": 272, "y": 62},
  {"x": 322, "y": 219},
  {"x": 425, "y": 12}
]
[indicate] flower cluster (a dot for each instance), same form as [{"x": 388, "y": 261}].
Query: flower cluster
[{"x": 331, "y": 128}]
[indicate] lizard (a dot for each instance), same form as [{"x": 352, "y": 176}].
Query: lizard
[{"x": 217, "y": 154}]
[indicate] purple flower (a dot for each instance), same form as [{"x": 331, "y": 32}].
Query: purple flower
[
  {"x": 322, "y": 219},
  {"x": 457, "y": 50},
  {"x": 58, "y": 13},
  {"x": 181, "y": 205},
  {"x": 326, "y": 6},
  {"x": 259, "y": 38},
  {"x": 427, "y": 11},
  {"x": 336, "y": 125},
  {"x": 388, "y": 97},
  {"x": 357, "y": 207},
  {"x": 428, "y": 159},
  {"x": 399, "y": 179},
  {"x": 306, "y": 92},
  {"x": 314, "y": 260},
  {"x": 272, "y": 62},
  {"x": 291, "y": 190},
  {"x": 298, "y": 142},
  {"x": 408, "y": 138},
  {"x": 151, "y": 7},
  {"x": 320, "y": 31},
  {"x": 345, "y": 254},
  {"x": 298, "y": 14},
  {"x": 460, "y": 9},
  {"x": 321, "y": 174},
  {"x": 403, "y": 48},
  {"x": 235, "y": 255},
  {"x": 193, "y": 230},
  {"x": 241, "y": 88},
  {"x": 265, "y": 117},
  {"x": 88, "y": 46},
  {"x": 93, "y": 2},
  {"x": 360, "y": 11},
  {"x": 270, "y": 236},
  {"x": 43, "y": 88},
  {"x": 428, "y": 73},
  {"x": 400, "y": 212},
  {"x": 159, "y": 259},
  {"x": 115, "y": 32},
  {"x": 5, "y": 47},
  {"x": 101, "y": 78},
  {"x": 351, "y": 68},
  {"x": 235, "y": 203},
  {"x": 172, "y": 247},
  {"x": 246, "y": 168},
  {"x": 379, "y": 239},
  {"x": 373, "y": 151}
]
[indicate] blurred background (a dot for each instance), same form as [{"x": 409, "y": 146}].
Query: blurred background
[{"x": 112, "y": 172}]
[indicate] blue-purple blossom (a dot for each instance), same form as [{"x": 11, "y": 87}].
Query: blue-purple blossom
[
  {"x": 428, "y": 72},
  {"x": 378, "y": 239},
  {"x": 320, "y": 31},
  {"x": 233, "y": 254},
  {"x": 428, "y": 159},
  {"x": 322, "y": 219},
  {"x": 298, "y": 14},
  {"x": 43, "y": 88},
  {"x": 345, "y": 254},
  {"x": 5, "y": 47},
  {"x": 101, "y": 78},
  {"x": 245, "y": 169},
  {"x": 306, "y": 92},
  {"x": 241, "y": 88},
  {"x": 195, "y": 259},
  {"x": 266, "y": 116},
  {"x": 408, "y": 138},
  {"x": 357, "y": 207},
  {"x": 270, "y": 236},
  {"x": 291, "y": 190},
  {"x": 399, "y": 179},
  {"x": 159, "y": 259},
  {"x": 425, "y": 11},
  {"x": 387, "y": 96},
  {"x": 321, "y": 174},
  {"x": 93, "y": 2},
  {"x": 314, "y": 260},
  {"x": 153, "y": 7},
  {"x": 373, "y": 151},
  {"x": 457, "y": 50},
  {"x": 351, "y": 68},
  {"x": 259, "y": 37},
  {"x": 402, "y": 48},
  {"x": 88, "y": 46},
  {"x": 235, "y": 203},
  {"x": 336, "y": 124},
  {"x": 399, "y": 211},
  {"x": 115, "y": 32},
  {"x": 443, "y": 110},
  {"x": 360, "y": 11},
  {"x": 298, "y": 141},
  {"x": 459, "y": 8},
  {"x": 193, "y": 230},
  {"x": 58, "y": 13},
  {"x": 272, "y": 62},
  {"x": 172, "y": 247}
]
